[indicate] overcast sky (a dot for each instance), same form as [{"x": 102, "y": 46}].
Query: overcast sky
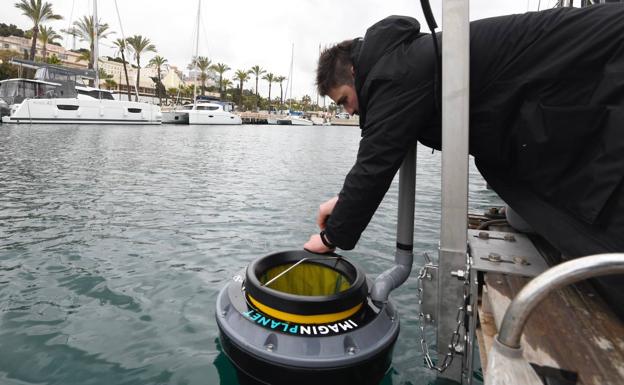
[{"x": 244, "y": 33}]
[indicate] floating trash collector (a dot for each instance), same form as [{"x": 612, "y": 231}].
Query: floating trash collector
[{"x": 304, "y": 318}]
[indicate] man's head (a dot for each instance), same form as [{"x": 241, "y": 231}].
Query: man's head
[{"x": 335, "y": 76}]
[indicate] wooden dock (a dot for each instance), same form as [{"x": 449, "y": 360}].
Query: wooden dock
[
  {"x": 263, "y": 118},
  {"x": 572, "y": 331}
]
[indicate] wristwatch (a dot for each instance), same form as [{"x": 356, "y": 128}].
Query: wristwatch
[{"x": 326, "y": 241}]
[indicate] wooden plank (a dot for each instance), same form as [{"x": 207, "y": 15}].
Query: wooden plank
[
  {"x": 571, "y": 329},
  {"x": 486, "y": 331}
]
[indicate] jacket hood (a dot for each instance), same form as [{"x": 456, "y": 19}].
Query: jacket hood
[{"x": 381, "y": 37}]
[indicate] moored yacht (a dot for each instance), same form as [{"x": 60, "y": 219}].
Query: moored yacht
[
  {"x": 204, "y": 111},
  {"x": 295, "y": 118},
  {"x": 57, "y": 95}
]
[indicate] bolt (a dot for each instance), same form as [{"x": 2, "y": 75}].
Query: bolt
[
  {"x": 350, "y": 350},
  {"x": 509, "y": 238},
  {"x": 484, "y": 235},
  {"x": 494, "y": 257},
  {"x": 520, "y": 260},
  {"x": 460, "y": 274},
  {"x": 270, "y": 347}
]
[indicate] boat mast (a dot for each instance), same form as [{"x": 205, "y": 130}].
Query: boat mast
[
  {"x": 195, "y": 57},
  {"x": 95, "y": 45},
  {"x": 290, "y": 74}
]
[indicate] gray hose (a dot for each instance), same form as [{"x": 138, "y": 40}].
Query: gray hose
[{"x": 392, "y": 278}]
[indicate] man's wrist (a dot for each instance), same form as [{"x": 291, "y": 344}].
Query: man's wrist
[{"x": 325, "y": 240}]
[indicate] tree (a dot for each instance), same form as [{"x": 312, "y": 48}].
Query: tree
[
  {"x": 85, "y": 55},
  {"x": 257, "y": 71},
  {"x": 242, "y": 76},
  {"x": 203, "y": 63},
  {"x": 7, "y": 71},
  {"x": 139, "y": 45},
  {"x": 47, "y": 35},
  {"x": 110, "y": 84},
  {"x": 159, "y": 62},
  {"x": 220, "y": 68},
  {"x": 10, "y": 30},
  {"x": 269, "y": 78},
  {"x": 53, "y": 59},
  {"x": 305, "y": 100},
  {"x": 84, "y": 28},
  {"x": 280, "y": 80},
  {"x": 38, "y": 13},
  {"x": 122, "y": 46}
]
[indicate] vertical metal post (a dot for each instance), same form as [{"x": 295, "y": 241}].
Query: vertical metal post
[{"x": 453, "y": 232}]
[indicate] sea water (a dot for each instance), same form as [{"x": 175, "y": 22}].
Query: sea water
[{"x": 115, "y": 240}]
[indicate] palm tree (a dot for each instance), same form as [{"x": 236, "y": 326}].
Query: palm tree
[
  {"x": 110, "y": 84},
  {"x": 280, "y": 79},
  {"x": 122, "y": 46},
  {"x": 220, "y": 68},
  {"x": 203, "y": 63},
  {"x": 242, "y": 76},
  {"x": 306, "y": 99},
  {"x": 257, "y": 71},
  {"x": 269, "y": 78},
  {"x": 139, "y": 44},
  {"x": 227, "y": 83},
  {"x": 38, "y": 13},
  {"x": 84, "y": 28},
  {"x": 159, "y": 62},
  {"x": 47, "y": 35},
  {"x": 85, "y": 55}
]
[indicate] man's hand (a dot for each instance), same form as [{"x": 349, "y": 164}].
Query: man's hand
[
  {"x": 325, "y": 210},
  {"x": 315, "y": 245}
]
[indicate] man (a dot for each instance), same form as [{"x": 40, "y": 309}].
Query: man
[{"x": 546, "y": 120}]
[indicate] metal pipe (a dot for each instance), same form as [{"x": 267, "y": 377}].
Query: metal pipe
[
  {"x": 397, "y": 274},
  {"x": 95, "y": 52},
  {"x": 554, "y": 278}
]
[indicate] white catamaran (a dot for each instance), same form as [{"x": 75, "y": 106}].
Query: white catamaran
[{"x": 57, "y": 95}]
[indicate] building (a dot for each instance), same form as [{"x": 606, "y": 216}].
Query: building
[
  {"x": 21, "y": 46},
  {"x": 115, "y": 69}
]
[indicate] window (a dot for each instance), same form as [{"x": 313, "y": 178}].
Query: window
[
  {"x": 207, "y": 108},
  {"x": 67, "y": 107}
]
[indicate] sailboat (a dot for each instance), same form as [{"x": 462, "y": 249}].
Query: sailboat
[
  {"x": 203, "y": 110},
  {"x": 294, "y": 118},
  {"x": 57, "y": 95}
]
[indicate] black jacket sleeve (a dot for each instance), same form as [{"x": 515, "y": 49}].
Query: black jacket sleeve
[{"x": 394, "y": 113}]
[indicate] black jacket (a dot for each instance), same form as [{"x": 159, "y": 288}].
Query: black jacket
[{"x": 546, "y": 120}]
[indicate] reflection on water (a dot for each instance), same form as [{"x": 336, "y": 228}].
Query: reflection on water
[{"x": 114, "y": 242}]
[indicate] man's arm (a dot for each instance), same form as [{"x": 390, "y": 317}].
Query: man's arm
[{"x": 394, "y": 113}]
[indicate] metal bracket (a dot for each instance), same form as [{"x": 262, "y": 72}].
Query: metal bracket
[
  {"x": 507, "y": 253},
  {"x": 429, "y": 295}
]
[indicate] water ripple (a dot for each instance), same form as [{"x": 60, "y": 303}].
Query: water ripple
[{"x": 114, "y": 242}]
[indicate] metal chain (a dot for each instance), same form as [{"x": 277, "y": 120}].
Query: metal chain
[{"x": 455, "y": 337}]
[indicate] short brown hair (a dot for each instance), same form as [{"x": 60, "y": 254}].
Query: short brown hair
[{"x": 334, "y": 67}]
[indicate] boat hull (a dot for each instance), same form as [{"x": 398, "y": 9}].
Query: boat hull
[
  {"x": 208, "y": 117},
  {"x": 176, "y": 117},
  {"x": 79, "y": 111},
  {"x": 295, "y": 122}
]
